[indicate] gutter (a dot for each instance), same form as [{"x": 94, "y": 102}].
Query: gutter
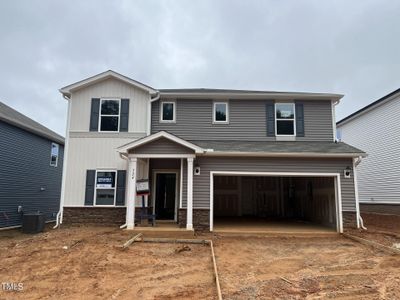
[
  {"x": 210, "y": 152},
  {"x": 59, "y": 217}
]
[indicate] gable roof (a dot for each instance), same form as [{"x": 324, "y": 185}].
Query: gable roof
[
  {"x": 369, "y": 107},
  {"x": 156, "y": 136},
  {"x": 66, "y": 91},
  {"x": 15, "y": 118},
  {"x": 204, "y": 92}
]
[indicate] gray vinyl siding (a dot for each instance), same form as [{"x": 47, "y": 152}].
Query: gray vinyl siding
[
  {"x": 201, "y": 183},
  {"x": 24, "y": 169},
  {"x": 162, "y": 146},
  {"x": 247, "y": 121}
]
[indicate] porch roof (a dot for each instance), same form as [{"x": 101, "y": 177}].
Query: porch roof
[
  {"x": 125, "y": 149},
  {"x": 292, "y": 148}
]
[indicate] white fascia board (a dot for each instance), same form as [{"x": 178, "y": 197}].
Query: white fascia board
[
  {"x": 156, "y": 136},
  {"x": 66, "y": 91},
  {"x": 283, "y": 154},
  {"x": 262, "y": 96}
]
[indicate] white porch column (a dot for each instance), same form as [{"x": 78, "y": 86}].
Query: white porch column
[
  {"x": 189, "y": 204},
  {"x": 131, "y": 194}
]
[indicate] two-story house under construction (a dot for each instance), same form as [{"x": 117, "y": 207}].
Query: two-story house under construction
[{"x": 212, "y": 156}]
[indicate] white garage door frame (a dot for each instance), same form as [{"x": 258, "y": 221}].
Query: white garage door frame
[{"x": 336, "y": 176}]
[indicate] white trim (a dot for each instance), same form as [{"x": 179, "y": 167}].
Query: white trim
[
  {"x": 291, "y": 119},
  {"x": 356, "y": 193},
  {"x": 253, "y": 95},
  {"x": 100, "y": 115},
  {"x": 277, "y": 154},
  {"x": 148, "y": 116},
  {"x": 333, "y": 105},
  {"x": 87, "y": 206},
  {"x": 51, "y": 154},
  {"x": 338, "y": 195},
  {"x": 66, "y": 91},
  {"x": 162, "y": 111},
  {"x": 227, "y": 112},
  {"x": 105, "y": 188},
  {"x": 153, "y": 192},
  {"x": 162, "y": 155},
  {"x": 131, "y": 193},
  {"x": 181, "y": 185},
  {"x": 65, "y": 164},
  {"x": 156, "y": 136},
  {"x": 379, "y": 202},
  {"x": 189, "y": 202}
]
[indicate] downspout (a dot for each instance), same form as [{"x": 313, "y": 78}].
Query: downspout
[
  {"x": 59, "y": 217},
  {"x": 360, "y": 221},
  {"x": 123, "y": 156},
  {"x": 148, "y": 129},
  {"x": 334, "y": 103}
]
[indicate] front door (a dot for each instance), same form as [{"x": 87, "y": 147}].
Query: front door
[{"x": 165, "y": 196}]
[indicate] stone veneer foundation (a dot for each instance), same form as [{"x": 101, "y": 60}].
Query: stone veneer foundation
[
  {"x": 94, "y": 215},
  {"x": 201, "y": 219},
  {"x": 349, "y": 219}
]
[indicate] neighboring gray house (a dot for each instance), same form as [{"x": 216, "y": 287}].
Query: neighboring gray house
[
  {"x": 211, "y": 155},
  {"x": 31, "y": 162},
  {"x": 376, "y": 129}
]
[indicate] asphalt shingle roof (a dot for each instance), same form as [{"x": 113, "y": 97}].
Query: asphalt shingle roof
[
  {"x": 13, "y": 117},
  {"x": 279, "y": 147}
]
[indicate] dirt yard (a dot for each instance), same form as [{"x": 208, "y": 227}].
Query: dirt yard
[
  {"x": 384, "y": 229},
  {"x": 94, "y": 267},
  {"x": 305, "y": 268}
]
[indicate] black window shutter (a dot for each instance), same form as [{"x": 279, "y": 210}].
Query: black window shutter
[
  {"x": 123, "y": 123},
  {"x": 90, "y": 181},
  {"x": 299, "y": 119},
  {"x": 270, "y": 107},
  {"x": 121, "y": 183},
  {"x": 94, "y": 115}
]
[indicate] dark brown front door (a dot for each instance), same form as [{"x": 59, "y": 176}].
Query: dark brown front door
[{"x": 165, "y": 196}]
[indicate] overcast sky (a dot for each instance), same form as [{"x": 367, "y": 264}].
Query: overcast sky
[{"x": 348, "y": 47}]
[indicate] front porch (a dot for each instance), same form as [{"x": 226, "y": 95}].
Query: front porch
[
  {"x": 167, "y": 163},
  {"x": 164, "y": 229}
]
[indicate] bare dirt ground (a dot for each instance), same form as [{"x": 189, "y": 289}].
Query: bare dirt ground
[
  {"x": 94, "y": 267},
  {"x": 305, "y": 268},
  {"x": 384, "y": 229}
]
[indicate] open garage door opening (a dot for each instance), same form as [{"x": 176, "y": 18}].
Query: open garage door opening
[{"x": 274, "y": 203}]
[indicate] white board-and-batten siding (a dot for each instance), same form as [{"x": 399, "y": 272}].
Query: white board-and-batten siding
[
  {"x": 377, "y": 132},
  {"x": 88, "y": 150}
]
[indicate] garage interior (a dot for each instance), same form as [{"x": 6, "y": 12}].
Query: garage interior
[{"x": 274, "y": 203}]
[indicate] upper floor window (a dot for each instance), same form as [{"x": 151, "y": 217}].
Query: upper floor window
[
  {"x": 54, "y": 155},
  {"x": 109, "y": 115},
  {"x": 105, "y": 187},
  {"x": 220, "y": 112},
  {"x": 168, "y": 111},
  {"x": 285, "y": 119}
]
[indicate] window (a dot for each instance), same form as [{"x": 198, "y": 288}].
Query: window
[
  {"x": 167, "y": 111},
  {"x": 220, "y": 112},
  {"x": 105, "y": 188},
  {"x": 54, "y": 155},
  {"x": 109, "y": 115},
  {"x": 285, "y": 119}
]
